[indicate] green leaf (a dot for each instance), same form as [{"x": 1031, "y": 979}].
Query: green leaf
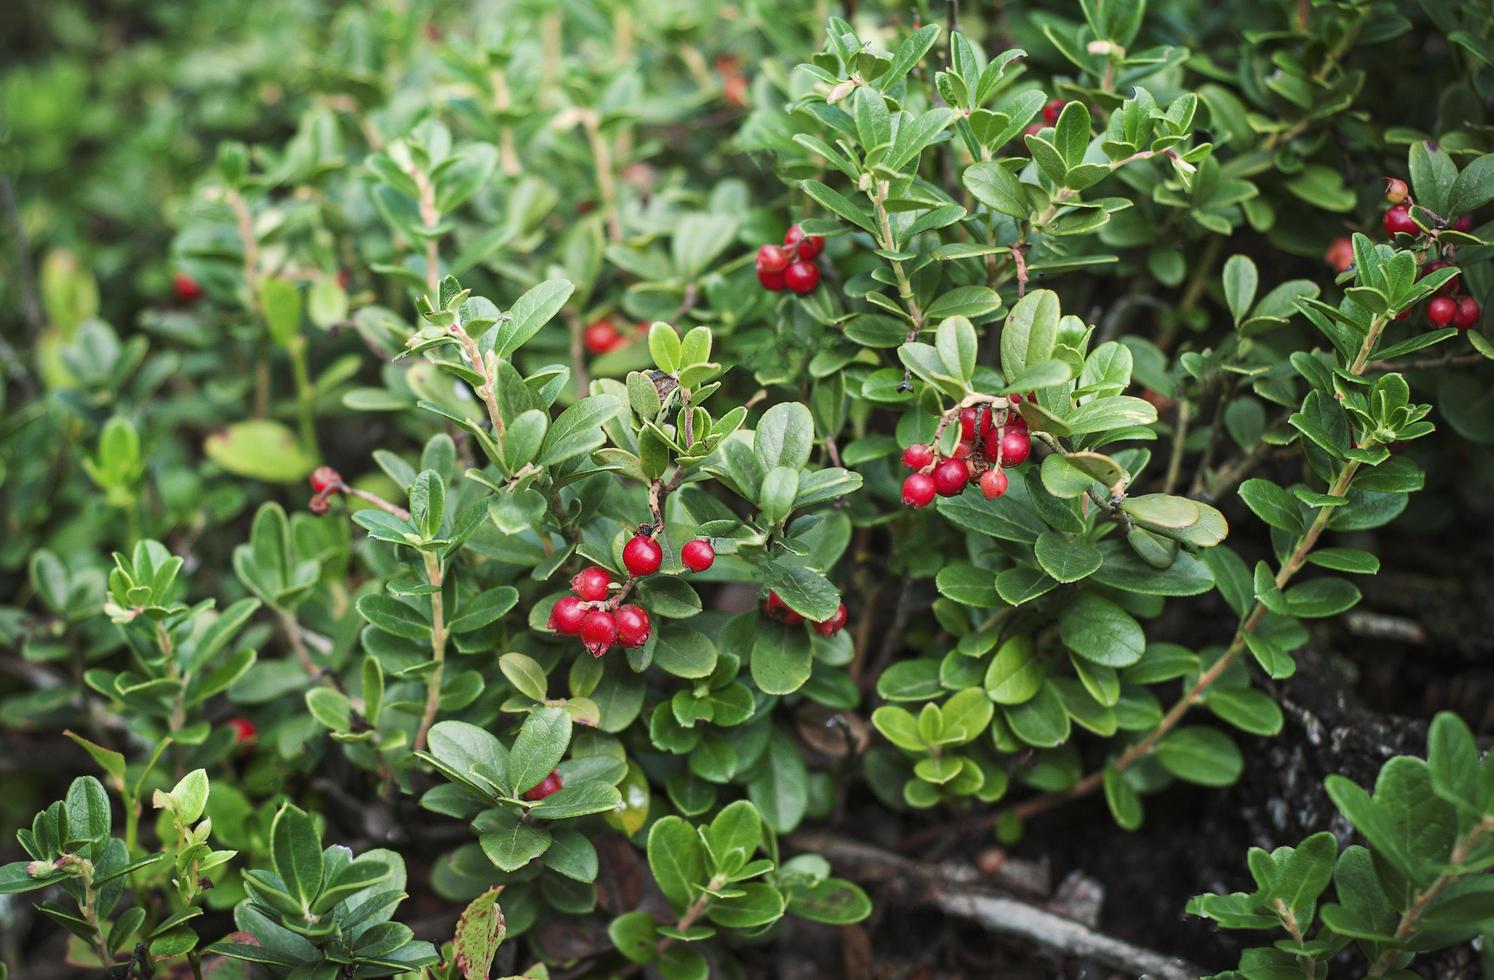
[
  {"x": 802, "y": 589},
  {"x": 1101, "y": 631},
  {"x": 1016, "y": 673},
  {"x": 260, "y": 449},
  {"x": 996, "y": 187},
  {"x": 779, "y": 784},
  {"x": 785, "y": 436},
  {"x": 837, "y": 203},
  {"x": 677, "y": 859},
  {"x": 88, "y": 813},
  {"x": 509, "y": 842},
  {"x": 699, "y": 239},
  {"x": 636, "y": 936},
  {"x": 1474, "y": 187},
  {"x": 531, "y": 312},
  {"x": 1064, "y": 558},
  {"x": 830, "y": 900},
  {"x": 539, "y": 747},
  {"x": 1031, "y": 332},
  {"x": 757, "y": 905},
  {"x": 1240, "y": 282},
  {"x": 280, "y": 299},
  {"x": 1202, "y": 755},
  {"x": 685, "y": 653},
  {"x": 578, "y": 430},
  {"x": 1041, "y": 720},
  {"x": 479, "y": 931},
  {"x": 296, "y": 852}
]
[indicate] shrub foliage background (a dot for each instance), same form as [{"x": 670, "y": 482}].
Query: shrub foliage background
[{"x": 493, "y": 264}]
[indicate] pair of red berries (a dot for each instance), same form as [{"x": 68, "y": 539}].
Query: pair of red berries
[
  {"x": 598, "y": 627},
  {"x": 550, "y": 784},
  {"x": 602, "y": 337},
  {"x": 790, "y": 265},
  {"x": 325, "y": 481},
  {"x": 643, "y": 556},
  {"x": 1005, "y": 445},
  {"x": 776, "y": 608},
  {"x": 1447, "y": 307}
]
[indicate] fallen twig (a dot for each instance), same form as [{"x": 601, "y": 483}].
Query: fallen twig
[{"x": 965, "y": 896}]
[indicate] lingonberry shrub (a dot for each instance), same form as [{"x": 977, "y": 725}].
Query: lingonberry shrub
[{"x": 673, "y": 399}]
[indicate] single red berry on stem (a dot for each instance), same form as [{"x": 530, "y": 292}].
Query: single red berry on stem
[
  {"x": 802, "y": 277},
  {"x": 1052, "y": 109},
  {"x": 1340, "y": 254},
  {"x": 698, "y": 555},
  {"x": 1016, "y": 421},
  {"x": 632, "y": 626},
  {"x": 566, "y": 615},
  {"x": 1464, "y": 223},
  {"x": 918, "y": 490},
  {"x": 1396, "y": 190},
  {"x": 243, "y": 730},
  {"x": 545, "y": 787},
  {"x": 807, "y": 246},
  {"x": 1016, "y": 445},
  {"x": 1398, "y": 221},
  {"x": 993, "y": 483},
  {"x": 1468, "y": 313},
  {"x": 324, "y": 479},
  {"x": 962, "y": 449},
  {"x": 186, "y": 288},
  {"x": 771, "y": 258},
  {"x": 598, "y": 632},
  {"x": 591, "y": 583},
  {"x": 1442, "y": 310},
  {"x": 642, "y": 556},
  {"x": 831, "y": 626},
  {"x": 951, "y": 477},
  {"x": 601, "y": 337},
  {"x": 917, "y": 456}
]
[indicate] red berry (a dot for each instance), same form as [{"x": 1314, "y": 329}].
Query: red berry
[
  {"x": 642, "y": 556},
  {"x": 545, "y": 787},
  {"x": 1464, "y": 223},
  {"x": 1468, "y": 313},
  {"x": 1015, "y": 447},
  {"x": 591, "y": 583},
  {"x": 186, "y": 288},
  {"x": 601, "y": 337},
  {"x": 808, "y": 247},
  {"x": 951, "y": 476},
  {"x": 831, "y": 626},
  {"x": 917, "y": 456},
  {"x": 1340, "y": 254},
  {"x": 962, "y": 449},
  {"x": 698, "y": 555},
  {"x": 1442, "y": 310},
  {"x": 243, "y": 730},
  {"x": 598, "y": 632},
  {"x": 632, "y": 626},
  {"x": 1015, "y": 399},
  {"x": 770, "y": 280},
  {"x": 1396, "y": 190},
  {"x": 324, "y": 479},
  {"x": 967, "y": 423},
  {"x": 918, "y": 490},
  {"x": 779, "y": 609},
  {"x": 1051, "y": 110},
  {"x": 1016, "y": 421},
  {"x": 802, "y": 277},
  {"x": 1398, "y": 221},
  {"x": 993, "y": 483},
  {"x": 566, "y": 616},
  {"x": 771, "y": 258}
]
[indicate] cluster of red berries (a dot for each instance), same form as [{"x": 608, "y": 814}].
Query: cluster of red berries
[
  {"x": 791, "y": 265},
  {"x": 1398, "y": 220},
  {"x": 1447, "y": 307},
  {"x": 776, "y": 608},
  {"x": 602, "y": 336},
  {"x": 325, "y": 481},
  {"x": 588, "y": 614},
  {"x": 986, "y": 445},
  {"x": 550, "y": 784}
]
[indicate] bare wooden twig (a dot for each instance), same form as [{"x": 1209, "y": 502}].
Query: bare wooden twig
[{"x": 999, "y": 913}]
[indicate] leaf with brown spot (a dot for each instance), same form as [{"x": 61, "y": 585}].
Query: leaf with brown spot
[{"x": 478, "y": 933}]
